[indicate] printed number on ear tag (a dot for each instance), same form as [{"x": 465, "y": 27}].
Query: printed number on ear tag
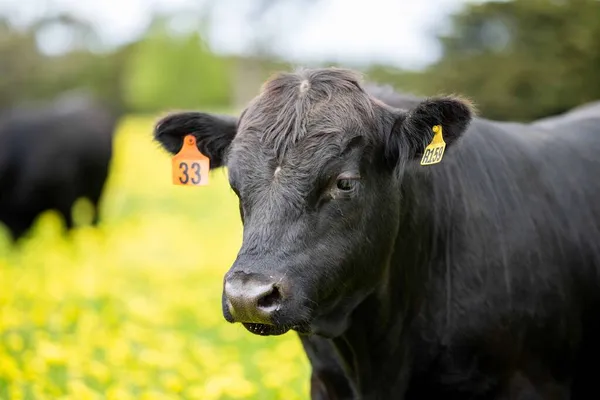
[
  {"x": 435, "y": 151},
  {"x": 190, "y": 167}
]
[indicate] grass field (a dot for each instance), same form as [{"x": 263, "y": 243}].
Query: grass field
[{"x": 131, "y": 310}]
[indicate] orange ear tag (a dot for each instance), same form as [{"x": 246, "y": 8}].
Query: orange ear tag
[{"x": 190, "y": 167}]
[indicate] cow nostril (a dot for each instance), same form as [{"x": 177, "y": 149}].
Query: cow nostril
[{"x": 270, "y": 300}]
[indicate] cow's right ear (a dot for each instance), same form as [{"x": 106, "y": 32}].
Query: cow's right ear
[
  {"x": 213, "y": 133},
  {"x": 413, "y": 130}
]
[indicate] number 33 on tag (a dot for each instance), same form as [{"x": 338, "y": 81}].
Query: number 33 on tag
[{"x": 190, "y": 167}]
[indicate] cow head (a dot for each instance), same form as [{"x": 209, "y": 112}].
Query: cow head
[{"x": 314, "y": 161}]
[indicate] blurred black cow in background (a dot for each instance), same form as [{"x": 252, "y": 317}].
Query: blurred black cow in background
[{"x": 50, "y": 156}]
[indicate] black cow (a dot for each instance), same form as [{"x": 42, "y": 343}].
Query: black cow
[
  {"x": 474, "y": 278},
  {"x": 51, "y": 155},
  {"x": 585, "y": 111},
  {"x": 392, "y": 97}
]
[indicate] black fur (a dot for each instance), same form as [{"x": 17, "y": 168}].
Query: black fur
[
  {"x": 213, "y": 134},
  {"x": 474, "y": 278},
  {"x": 409, "y": 133},
  {"x": 51, "y": 155}
]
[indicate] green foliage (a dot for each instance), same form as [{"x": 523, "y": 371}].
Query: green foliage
[
  {"x": 168, "y": 71},
  {"x": 19, "y": 63},
  {"x": 522, "y": 59},
  {"x": 26, "y": 74},
  {"x": 163, "y": 70},
  {"x": 517, "y": 60},
  {"x": 411, "y": 82}
]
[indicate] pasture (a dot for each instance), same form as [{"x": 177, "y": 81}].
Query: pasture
[{"x": 131, "y": 310}]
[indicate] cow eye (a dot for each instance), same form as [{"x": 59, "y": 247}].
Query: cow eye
[{"x": 346, "y": 184}]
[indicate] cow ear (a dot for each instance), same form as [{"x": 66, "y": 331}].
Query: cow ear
[
  {"x": 413, "y": 131},
  {"x": 213, "y": 133}
]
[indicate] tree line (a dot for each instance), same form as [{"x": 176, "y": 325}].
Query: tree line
[{"x": 517, "y": 60}]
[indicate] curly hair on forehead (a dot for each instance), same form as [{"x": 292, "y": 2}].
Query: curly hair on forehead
[
  {"x": 295, "y": 105},
  {"x": 303, "y": 76}
]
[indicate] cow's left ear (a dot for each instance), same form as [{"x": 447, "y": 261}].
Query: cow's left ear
[{"x": 412, "y": 132}]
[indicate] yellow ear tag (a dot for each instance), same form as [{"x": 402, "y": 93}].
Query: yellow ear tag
[
  {"x": 435, "y": 151},
  {"x": 190, "y": 167}
]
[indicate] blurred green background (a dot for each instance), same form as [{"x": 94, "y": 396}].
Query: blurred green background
[{"x": 131, "y": 309}]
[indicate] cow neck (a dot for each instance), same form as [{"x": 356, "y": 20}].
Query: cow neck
[{"x": 375, "y": 348}]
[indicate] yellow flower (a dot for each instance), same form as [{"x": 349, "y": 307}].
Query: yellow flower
[
  {"x": 119, "y": 393},
  {"x": 131, "y": 309},
  {"x": 195, "y": 392},
  {"x": 9, "y": 368},
  {"x": 14, "y": 342},
  {"x": 16, "y": 393},
  {"x": 172, "y": 383},
  {"x": 51, "y": 353},
  {"x": 80, "y": 391},
  {"x": 99, "y": 371},
  {"x": 227, "y": 385}
]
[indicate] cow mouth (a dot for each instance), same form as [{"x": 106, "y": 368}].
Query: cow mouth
[
  {"x": 266, "y": 330},
  {"x": 274, "y": 330}
]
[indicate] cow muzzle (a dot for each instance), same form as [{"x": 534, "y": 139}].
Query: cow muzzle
[{"x": 254, "y": 299}]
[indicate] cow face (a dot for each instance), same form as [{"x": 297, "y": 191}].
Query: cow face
[{"x": 314, "y": 161}]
